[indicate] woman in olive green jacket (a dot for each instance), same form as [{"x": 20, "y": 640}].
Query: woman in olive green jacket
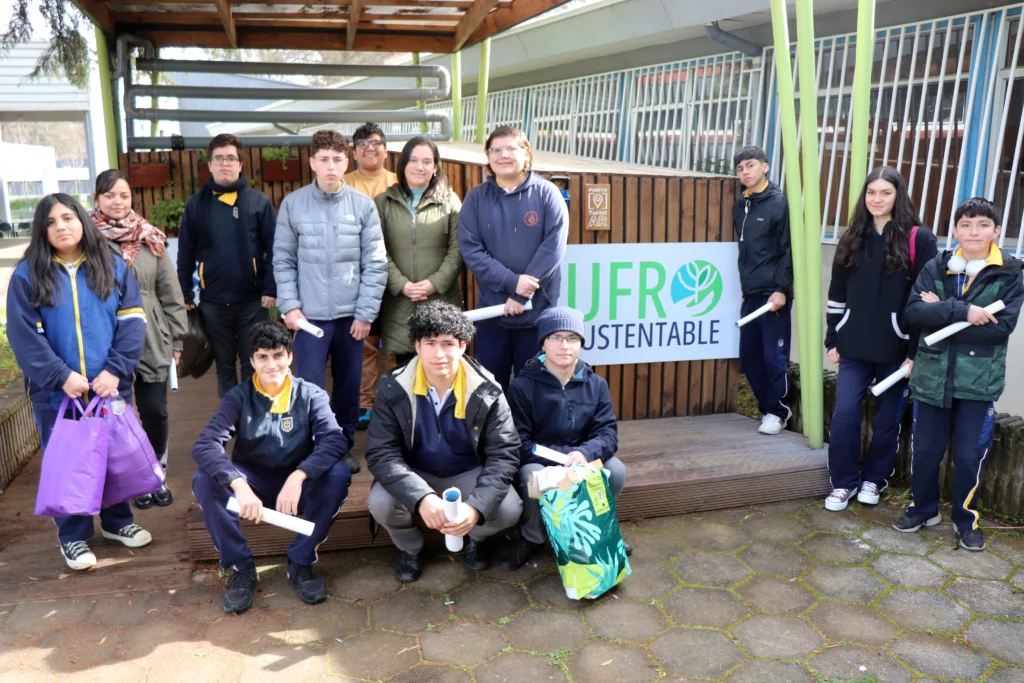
[{"x": 420, "y": 220}]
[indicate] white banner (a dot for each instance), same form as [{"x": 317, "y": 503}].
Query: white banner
[{"x": 651, "y": 303}]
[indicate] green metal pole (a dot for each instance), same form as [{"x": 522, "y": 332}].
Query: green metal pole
[
  {"x": 861, "y": 98},
  {"x": 794, "y": 192},
  {"x": 457, "y": 95},
  {"x": 481, "y": 90},
  {"x": 420, "y": 104},
  {"x": 811, "y": 373},
  {"x": 103, "y": 64}
]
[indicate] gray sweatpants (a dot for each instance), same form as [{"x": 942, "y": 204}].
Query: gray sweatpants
[
  {"x": 531, "y": 523},
  {"x": 401, "y": 523}
]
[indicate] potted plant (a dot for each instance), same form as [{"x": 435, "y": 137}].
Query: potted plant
[
  {"x": 276, "y": 166},
  {"x": 166, "y": 215},
  {"x": 202, "y": 167}
]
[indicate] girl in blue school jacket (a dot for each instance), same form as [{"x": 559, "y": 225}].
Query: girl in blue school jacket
[{"x": 75, "y": 323}]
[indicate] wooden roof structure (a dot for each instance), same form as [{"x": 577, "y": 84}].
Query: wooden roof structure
[{"x": 440, "y": 26}]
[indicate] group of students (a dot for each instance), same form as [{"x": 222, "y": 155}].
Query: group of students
[{"x": 890, "y": 288}]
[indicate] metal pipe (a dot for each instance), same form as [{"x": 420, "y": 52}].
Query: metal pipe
[
  {"x": 481, "y": 90},
  {"x": 862, "y": 100},
  {"x": 123, "y": 41},
  {"x": 457, "y": 95},
  {"x": 254, "y": 141},
  {"x": 731, "y": 40},
  {"x": 206, "y": 92}
]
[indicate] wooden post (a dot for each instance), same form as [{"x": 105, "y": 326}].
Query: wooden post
[{"x": 481, "y": 90}]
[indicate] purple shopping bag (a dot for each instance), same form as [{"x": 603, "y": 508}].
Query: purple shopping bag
[
  {"x": 132, "y": 467},
  {"x": 74, "y": 465}
]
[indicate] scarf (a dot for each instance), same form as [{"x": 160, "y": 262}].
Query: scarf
[{"x": 130, "y": 232}]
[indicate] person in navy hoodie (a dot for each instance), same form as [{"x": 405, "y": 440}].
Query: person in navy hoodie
[
  {"x": 75, "y": 322},
  {"x": 559, "y": 401},
  {"x": 512, "y": 232}
]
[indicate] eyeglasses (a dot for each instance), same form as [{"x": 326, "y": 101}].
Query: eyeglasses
[
  {"x": 570, "y": 339},
  {"x": 363, "y": 144},
  {"x": 425, "y": 163},
  {"x": 496, "y": 151},
  {"x": 219, "y": 160}
]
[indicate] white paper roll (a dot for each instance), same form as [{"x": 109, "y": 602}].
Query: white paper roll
[
  {"x": 173, "y": 375},
  {"x": 307, "y": 326},
  {"x": 488, "y": 312},
  {"x": 889, "y": 381},
  {"x": 452, "y": 497},
  {"x": 950, "y": 330},
  {"x": 299, "y": 526},
  {"x": 756, "y": 314},
  {"x": 549, "y": 454}
]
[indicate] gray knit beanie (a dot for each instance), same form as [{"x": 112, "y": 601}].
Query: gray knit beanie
[{"x": 559, "y": 319}]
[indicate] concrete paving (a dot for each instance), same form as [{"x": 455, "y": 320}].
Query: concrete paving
[{"x": 783, "y": 592}]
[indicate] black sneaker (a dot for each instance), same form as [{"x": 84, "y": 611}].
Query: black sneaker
[
  {"x": 353, "y": 464},
  {"x": 143, "y": 502},
  {"x": 629, "y": 548},
  {"x": 77, "y": 555},
  {"x": 972, "y": 539},
  {"x": 132, "y": 535},
  {"x": 476, "y": 555},
  {"x": 163, "y": 497},
  {"x": 311, "y": 587},
  {"x": 408, "y": 568},
  {"x": 519, "y": 555},
  {"x": 238, "y": 596},
  {"x": 908, "y": 522}
]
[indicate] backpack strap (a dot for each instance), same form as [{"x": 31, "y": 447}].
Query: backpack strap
[{"x": 913, "y": 247}]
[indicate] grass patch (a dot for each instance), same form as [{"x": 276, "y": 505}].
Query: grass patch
[
  {"x": 9, "y": 370},
  {"x": 746, "y": 402}
]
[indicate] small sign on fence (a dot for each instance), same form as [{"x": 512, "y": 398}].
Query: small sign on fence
[{"x": 598, "y": 206}]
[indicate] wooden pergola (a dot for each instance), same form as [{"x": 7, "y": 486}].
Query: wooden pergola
[{"x": 440, "y": 26}]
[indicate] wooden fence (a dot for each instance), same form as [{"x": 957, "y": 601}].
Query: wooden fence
[{"x": 19, "y": 437}]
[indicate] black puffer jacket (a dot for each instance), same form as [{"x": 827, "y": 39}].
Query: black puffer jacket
[
  {"x": 390, "y": 438},
  {"x": 762, "y": 224}
]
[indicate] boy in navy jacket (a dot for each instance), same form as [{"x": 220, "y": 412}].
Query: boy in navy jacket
[
  {"x": 559, "y": 401},
  {"x": 288, "y": 455}
]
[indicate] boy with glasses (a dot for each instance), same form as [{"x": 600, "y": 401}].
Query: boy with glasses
[
  {"x": 558, "y": 401},
  {"x": 227, "y": 228}
]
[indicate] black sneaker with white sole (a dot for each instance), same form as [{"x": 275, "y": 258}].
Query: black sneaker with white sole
[
  {"x": 971, "y": 539},
  {"x": 908, "y": 523},
  {"x": 77, "y": 555},
  {"x": 132, "y": 535}
]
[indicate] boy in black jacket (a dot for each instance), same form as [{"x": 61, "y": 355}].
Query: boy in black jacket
[
  {"x": 956, "y": 381},
  {"x": 288, "y": 455},
  {"x": 761, "y": 217}
]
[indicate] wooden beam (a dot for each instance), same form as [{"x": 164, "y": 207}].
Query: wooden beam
[
  {"x": 473, "y": 17},
  {"x": 224, "y": 12},
  {"x": 353, "y": 23},
  {"x": 507, "y": 16},
  {"x": 366, "y": 41},
  {"x": 242, "y": 18},
  {"x": 410, "y": 4},
  {"x": 97, "y": 13}
]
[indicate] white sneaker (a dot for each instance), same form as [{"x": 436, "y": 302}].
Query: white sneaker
[
  {"x": 77, "y": 555},
  {"x": 869, "y": 493},
  {"x": 839, "y": 499},
  {"x": 771, "y": 424},
  {"x": 132, "y": 535}
]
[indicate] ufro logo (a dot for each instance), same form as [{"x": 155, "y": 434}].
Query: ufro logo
[{"x": 700, "y": 283}]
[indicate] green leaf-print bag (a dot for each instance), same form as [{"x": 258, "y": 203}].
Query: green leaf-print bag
[{"x": 584, "y": 533}]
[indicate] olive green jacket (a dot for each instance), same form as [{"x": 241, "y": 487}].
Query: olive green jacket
[{"x": 420, "y": 247}]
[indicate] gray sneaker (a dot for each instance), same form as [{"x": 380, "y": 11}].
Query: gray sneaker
[{"x": 839, "y": 499}]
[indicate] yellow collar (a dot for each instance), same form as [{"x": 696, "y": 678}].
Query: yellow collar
[
  {"x": 75, "y": 263},
  {"x": 280, "y": 403},
  {"x": 748, "y": 192},
  {"x": 228, "y": 198},
  {"x": 420, "y": 386}
]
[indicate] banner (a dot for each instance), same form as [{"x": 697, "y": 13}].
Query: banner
[{"x": 656, "y": 302}]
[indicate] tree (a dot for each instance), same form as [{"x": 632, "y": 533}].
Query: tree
[{"x": 67, "y": 55}]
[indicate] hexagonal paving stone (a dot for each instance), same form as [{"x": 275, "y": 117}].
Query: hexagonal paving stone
[
  {"x": 974, "y": 565},
  {"x": 891, "y": 541},
  {"x": 1007, "y": 676},
  {"x": 1001, "y": 639},
  {"x": 122, "y": 609},
  {"x": 539, "y": 564},
  {"x": 600, "y": 660},
  {"x": 550, "y": 592},
  {"x": 80, "y": 647},
  {"x": 703, "y": 607},
  {"x": 1008, "y": 545},
  {"x": 647, "y": 581},
  {"x": 769, "y": 595},
  {"x": 940, "y": 656},
  {"x": 775, "y": 528},
  {"x": 993, "y": 598},
  {"x": 205, "y": 663},
  {"x": 852, "y": 623},
  {"x": 788, "y": 507},
  {"x": 373, "y": 654},
  {"x": 841, "y": 548},
  {"x": 845, "y": 662},
  {"x": 774, "y": 558},
  {"x": 285, "y": 664},
  {"x": 725, "y": 516},
  {"x": 118, "y": 672},
  {"x": 1018, "y": 579},
  {"x": 543, "y": 630},
  {"x": 707, "y": 654},
  {"x": 410, "y": 611},
  {"x": 711, "y": 569},
  {"x": 910, "y": 572},
  {"x": 442, "y": 574},
  {"x": 714, "y": 536},
  {"x": 670, "y": 524},
  {"x": 365, "y": 582},
  {"x": 462, "y": 644},
  {"x": 324, "y": 623},
  {"x": 38, "y": 618},
  {"x": 923, "y": 610},
  {"x": 488, "y": 601},
  {"x": 626, "y": 620},
  {"x": 431, "y": 673},
  {"x": 656, "y": 546},
  {"x": 777, "y": 637},
  {"x": 510, "y": 667},
  {"x": 851, "y": 584},
  {"x": 758, "y": 671},
  {"x": 825, "y": 520},
  {"x": 249, "y": 633}
]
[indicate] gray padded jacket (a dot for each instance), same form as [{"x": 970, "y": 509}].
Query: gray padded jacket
[{"x": 329, "y": 258}]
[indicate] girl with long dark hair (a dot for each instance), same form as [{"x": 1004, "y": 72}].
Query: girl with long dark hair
[
  {"x": 76, "y": 323},
  {"x": 144, "y": 249},
  {"x": 878, "y": 259}
]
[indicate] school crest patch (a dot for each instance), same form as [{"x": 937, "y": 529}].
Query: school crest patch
[
  {"x": 286, "y": 424},
  {"x": 235, "y": 212},
  {"x": 531, "y": 218}
]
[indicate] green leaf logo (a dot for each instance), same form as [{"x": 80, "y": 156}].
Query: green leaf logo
[{"x": 698, "y": 283}]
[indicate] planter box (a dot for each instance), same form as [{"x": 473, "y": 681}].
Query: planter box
[
  {"x": 202, "y": 173},
  {"x": 276, "y": 170},
  {"x": 19, "y": 437},
  {"x": 149, "y": 175}
]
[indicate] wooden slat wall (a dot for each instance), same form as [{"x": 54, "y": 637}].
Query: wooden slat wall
[{"x": 644, "y": 209}]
